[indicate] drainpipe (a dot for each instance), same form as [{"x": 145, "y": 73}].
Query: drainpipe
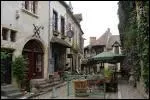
[{"x": 49, "y": 40}]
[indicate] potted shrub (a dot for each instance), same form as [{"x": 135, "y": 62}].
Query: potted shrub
[
  {"x": 4, "y": 56},
  {"x": 107, "y": 75},
  {"x": 19, "y": 66}
]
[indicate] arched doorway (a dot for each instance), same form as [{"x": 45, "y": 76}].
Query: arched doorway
[{"x": 34, "y": 54}]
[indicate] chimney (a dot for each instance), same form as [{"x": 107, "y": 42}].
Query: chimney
[{"x": 92, "y": 40}]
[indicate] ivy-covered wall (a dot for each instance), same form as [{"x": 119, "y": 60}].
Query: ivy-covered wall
[{"x": 134, "y": 35}]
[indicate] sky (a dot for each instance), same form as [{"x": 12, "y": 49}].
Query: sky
[{"x": 97, "y": 17}]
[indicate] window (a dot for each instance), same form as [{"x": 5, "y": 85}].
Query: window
[
  {"x": 55, "y": 19},
  {"x": 27, "y": 5},
  {"x": 35, "y": 7},
  {"x": 5, "y": 33},
  {"x": 116, "y": 49},
  {"x": 31, "y": 6},
  {"x": 13, "y": 36},
  {"x": 62, "y": 25}
]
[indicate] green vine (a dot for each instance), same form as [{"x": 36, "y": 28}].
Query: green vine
[{"x": 134, "y": 35}]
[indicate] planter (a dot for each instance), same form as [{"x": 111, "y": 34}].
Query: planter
[
  {"x": 107, "y": 79},
  {"x": 55, "y": 33},
  {"x": 80, "y": 87}
]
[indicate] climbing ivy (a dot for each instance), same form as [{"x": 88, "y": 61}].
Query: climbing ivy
[{"x": 134, "y": 35}]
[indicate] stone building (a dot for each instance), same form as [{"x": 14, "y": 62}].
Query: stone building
[
  {"x": 107, "y": 42},
  {"x": 66, "y": 46},
  {"x": 40, "y": 31}
]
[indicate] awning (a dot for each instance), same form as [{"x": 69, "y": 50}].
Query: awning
[
  {"x": 108, "y": 57},
  {"x": 60, "y": 41}
]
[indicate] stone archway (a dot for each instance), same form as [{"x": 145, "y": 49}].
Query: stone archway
[{"x": 33, "y": 51}]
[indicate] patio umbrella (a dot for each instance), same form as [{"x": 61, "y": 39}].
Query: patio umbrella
[{"x": 107, "y": 57}]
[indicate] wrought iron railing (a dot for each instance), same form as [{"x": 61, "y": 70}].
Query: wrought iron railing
[{"x": 85, "y": 85}]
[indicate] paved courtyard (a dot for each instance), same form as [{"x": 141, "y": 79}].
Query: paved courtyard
[{"x": 125, "y": 91}]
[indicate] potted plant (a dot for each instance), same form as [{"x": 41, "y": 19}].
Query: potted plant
[
  {"x": 19, "y": 66},
  {"x": 4, "y": 56},
  {"x": 107, "y": 75}
]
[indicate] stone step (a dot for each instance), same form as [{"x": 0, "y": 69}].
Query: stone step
[
  {"x": 10, "y": 90},
  {"x": 46, "y": 85},
  {"x": 50, "y": 84},
  {"x": 42, "y": 82},
  {"x": 50, "y": 88},
  {"x": 7, "y": 86},
  {"x": 15, "y": 95},
  {"x": 46, "y": 89}
]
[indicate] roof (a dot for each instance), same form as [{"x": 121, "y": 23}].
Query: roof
[
  {"x": 103, "y": 39},
  {"x": 71, "y": 14},
  {"x": 60, "y": 41},
  {"x": 78, "y": 17},
  {"x": 107, "y": 39},
  {"x": 108, "y": 55},
  {"x": 112, "y": 40}
]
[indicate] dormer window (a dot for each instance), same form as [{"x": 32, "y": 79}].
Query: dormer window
[{"x": 116, "y": 49}]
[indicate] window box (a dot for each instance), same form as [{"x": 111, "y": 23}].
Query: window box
[
  {"x": 56, "y": 33},
  {"x": 30, "y": 13},
  {"x": 63, "y": 36}
]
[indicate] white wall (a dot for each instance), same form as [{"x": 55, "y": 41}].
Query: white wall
[{"x": 24, "y": 26}]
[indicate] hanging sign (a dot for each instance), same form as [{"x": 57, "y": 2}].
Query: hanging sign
[{"x": 70, "y": 33}]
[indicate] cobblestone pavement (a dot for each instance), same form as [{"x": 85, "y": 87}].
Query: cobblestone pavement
[
  {"x": 125, "y": 91},
  {"x": 128, "y": 92}
]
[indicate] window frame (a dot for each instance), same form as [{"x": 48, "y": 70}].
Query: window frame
[
  {"x": 5, "y": 34},
  {"x": 116, "y": 49},
  {"x": 31, "y": 6},
  {"x": 55, "y": 20},
  {"x": 13, "y": 35},
  {"x": 62, "y": 25},
  {"x": 27, "y": 3},
  {"x": 34, "y": 7}
]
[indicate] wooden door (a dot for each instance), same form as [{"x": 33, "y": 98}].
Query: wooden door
[
  {"x": 28, "y": 57},
  {"x": 37, "y": 70},
  {"x": 34, "y": 53}
]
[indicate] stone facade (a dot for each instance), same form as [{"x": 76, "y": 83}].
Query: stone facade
[
  {"x": 25, "y": 22},
  {"x": 23, "y": 25},
  {"x": 107, "y": 42}
]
